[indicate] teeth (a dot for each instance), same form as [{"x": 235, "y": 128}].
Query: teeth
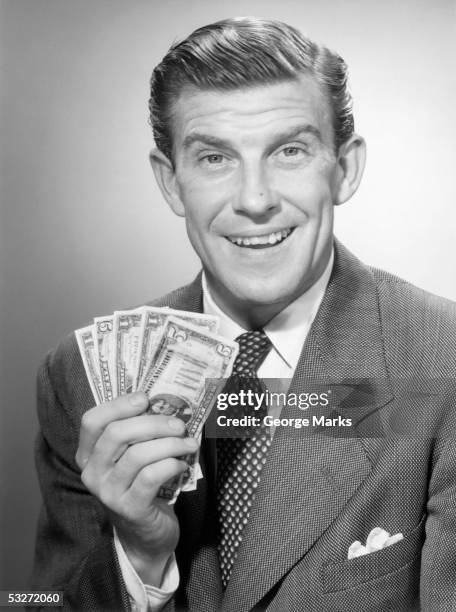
[{"x": 271, "y": 238}]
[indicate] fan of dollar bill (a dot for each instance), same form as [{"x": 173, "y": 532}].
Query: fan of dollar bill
[{"x": 175, "y": 357}]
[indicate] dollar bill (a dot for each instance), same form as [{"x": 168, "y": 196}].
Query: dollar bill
[
  {"x": 185, "y": 379},
  {"x": 167, "y": 353},
  {"x": 85, "y": 338},
  {"x": 104, "y": 340},
  {"x": 153, "y": 324},
  {"x": 127, "y": 327},
  {"x": 190, "y": 479}
]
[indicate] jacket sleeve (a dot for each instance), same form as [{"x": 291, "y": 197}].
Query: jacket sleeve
[
  {"x": 74, "y": 547},
  {"x": 438, "y": 559},
  {"x": 75, "y": 551}
]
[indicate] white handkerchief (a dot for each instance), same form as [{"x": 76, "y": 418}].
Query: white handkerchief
[{"x": 377, "y": 539}]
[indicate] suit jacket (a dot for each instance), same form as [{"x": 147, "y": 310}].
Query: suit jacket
[{"x": 388, "y": 351}]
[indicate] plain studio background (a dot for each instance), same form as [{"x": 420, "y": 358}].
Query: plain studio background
[{"x": 84, "y": 230}]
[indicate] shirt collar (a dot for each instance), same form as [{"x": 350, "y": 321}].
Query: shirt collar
[{"x": 288, "y": 330}]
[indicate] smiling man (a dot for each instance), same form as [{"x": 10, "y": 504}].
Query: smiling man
[
  {"x": 256, "y": 174},
  {"x": 255, "y": 147}
]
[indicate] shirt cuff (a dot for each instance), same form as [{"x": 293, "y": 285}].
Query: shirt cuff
[{"x": 144, "y": 597}]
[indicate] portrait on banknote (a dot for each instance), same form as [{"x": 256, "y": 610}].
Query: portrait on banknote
[{"x": 171, "y": 405}]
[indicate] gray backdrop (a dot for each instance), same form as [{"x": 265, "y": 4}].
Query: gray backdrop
[{"x": 83, "y": 228}]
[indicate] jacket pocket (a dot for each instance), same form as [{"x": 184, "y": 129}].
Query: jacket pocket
[{"x": 347, "y": 574}]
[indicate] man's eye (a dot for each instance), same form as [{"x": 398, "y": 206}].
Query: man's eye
[
  {"x": 292, "y": 151},
  {"x": 213, "y": 158}
]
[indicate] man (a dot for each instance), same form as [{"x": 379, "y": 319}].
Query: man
[{"x": 255, "y": 146}]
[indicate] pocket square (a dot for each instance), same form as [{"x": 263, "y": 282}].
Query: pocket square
[{"x": 377, "y": 539}]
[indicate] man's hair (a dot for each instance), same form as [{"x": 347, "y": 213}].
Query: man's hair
[{"x": 245, "y": 52}]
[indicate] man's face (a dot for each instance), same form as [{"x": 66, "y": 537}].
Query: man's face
[{"x": 256, "y": 177}]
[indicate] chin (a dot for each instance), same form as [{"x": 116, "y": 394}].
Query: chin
[{"x": 265, "y": 293}]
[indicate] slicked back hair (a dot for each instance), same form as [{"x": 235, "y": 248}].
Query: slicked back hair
[{"x": 245, "y": 52}]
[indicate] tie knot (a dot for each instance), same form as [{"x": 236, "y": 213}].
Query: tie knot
[{"x": 253, "y": 348}]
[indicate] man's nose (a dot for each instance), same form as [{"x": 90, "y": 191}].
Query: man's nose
[{"x": 254, "y": 195}]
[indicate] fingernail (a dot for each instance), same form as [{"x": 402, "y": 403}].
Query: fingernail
[
  {"x": 176, "y": 424},
  {"x": 191, "y": 442},
  {"x": 139, "y": 400}
]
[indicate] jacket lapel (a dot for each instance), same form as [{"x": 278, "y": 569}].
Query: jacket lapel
[{"x": 311, "y": 474}]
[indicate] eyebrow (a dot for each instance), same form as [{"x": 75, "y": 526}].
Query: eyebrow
[{"x": 214, "y": 141}]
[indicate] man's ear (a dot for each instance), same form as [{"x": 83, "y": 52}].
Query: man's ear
[
  {"x": 351, "y": 160},
  {"x": 165, "y": 176}
]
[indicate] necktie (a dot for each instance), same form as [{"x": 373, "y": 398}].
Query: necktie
[{"x": 240, "y": 460}]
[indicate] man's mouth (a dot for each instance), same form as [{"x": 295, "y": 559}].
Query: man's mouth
[{"x": 262, "y": 241}]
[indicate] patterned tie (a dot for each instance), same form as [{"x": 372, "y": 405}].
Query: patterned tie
[{"x": 239, "y": 460}]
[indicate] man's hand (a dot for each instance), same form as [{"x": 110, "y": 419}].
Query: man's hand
[{"x": 125, "y": 456}]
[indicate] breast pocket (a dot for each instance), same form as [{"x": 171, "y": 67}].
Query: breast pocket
[{"x": 347, "y": 574}]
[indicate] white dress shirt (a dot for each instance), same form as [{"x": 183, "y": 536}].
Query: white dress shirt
[
  {"x": 287, "y": 332},
  {"x": 144, "y": 597}
]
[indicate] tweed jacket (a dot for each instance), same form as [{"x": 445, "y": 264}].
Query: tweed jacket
[{"x": 391, "y": 349}]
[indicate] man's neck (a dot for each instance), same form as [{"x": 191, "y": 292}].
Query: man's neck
[{"x": 249, "y": 315}]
